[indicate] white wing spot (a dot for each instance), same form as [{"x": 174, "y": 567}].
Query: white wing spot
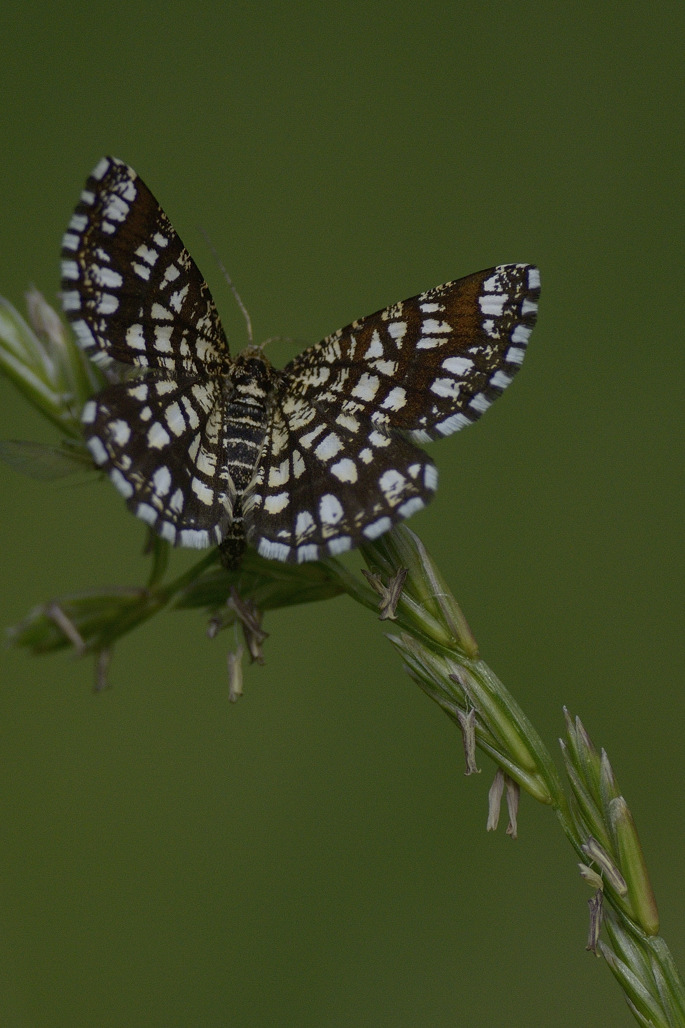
[
  {"x": 308, "y": 439},
  {"x": 160, "y": 313},
  {"x": 86, "y": 339},
  {"x": 411, "y": 506},
  {"x": 493, "y": 305},
  {"x": 447, "y": 387},
  {"x": 106, "y": 277},
  {"x": 348, "y": 422},
  {"x": 377, "y": 528},
  {"x": 386, "y": 367},
  {"x": 375, "y": 346},
  {"x": 396, "y": 399},
  {"x": 101, "y": 168},
  {"x": 419, "y": 435},
  {"x": 345, "y": 470},
  {"x": 147, "y": 513},
  {"x": 78, "y": 222},
  {"x": 397, "y": 331},
  {"x": 170, "y": 275},
  {"x": 457, "y": 365},
  {"x": 175, "y": 419},
  {"x": 431, "y": 326},
  {"x": 107, "y": 304},
  {"x": 195, "y": 538},
  {"x": 500, "y": 380},
  {"x": 161, "y": 481},
  {"x": 273, "y": 551},
  {"x": 122, "y": 484},
  {"x": 176, "y": 299},
  {"x": 521, "y": 335},
  {"x": 430, "y": 477},
  {"x": 167, "y": 531},
  {"x": 328, "y": 447},
  {"x": 515, "y": 355},
  {"x": 330, "y": 509},
  {"x": 116, "y": 208},
  {"x": 176, "y": 502},
  {"x": 120, "y": 432},
  {"x": 339, "y": 545},
  {"x": 393, "y": 484},
  {"x": 367, "y": 387},
  {"x": 202, "y": 491},
  {"x": 304, "y": 525},
  {"x": 452, "y": 424},
  {"x": 147, "y": 254},
  {"x": 308, "y": 552},
  {"x": 71, "y": 301},
  {"x": 98, "y": 451},
  {"x": 276, "y": 503},
  {"x": 157, "y": 436},
  {"x": 163, "y": 337},
  {"x": 135, "y": 337},
  {"x": 89, "y": 412},
  {"x": 480, "y": 402},
  {"x": 279, "y": 475},
  {"x": 299, "y": 466}
]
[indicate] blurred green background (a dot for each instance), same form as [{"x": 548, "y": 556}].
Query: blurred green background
[{"x": 314, "y": 856}]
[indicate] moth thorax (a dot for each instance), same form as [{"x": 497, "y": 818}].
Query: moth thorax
[{"x": 252, "y": 376}]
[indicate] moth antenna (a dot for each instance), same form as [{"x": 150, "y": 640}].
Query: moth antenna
[
  {"x": 229, "y": 280},
  {"x": 281, "y": 339}
]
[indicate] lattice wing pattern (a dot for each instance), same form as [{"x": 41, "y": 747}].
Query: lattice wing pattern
[
  {"x": 129, "y": 286},
  {"x": 163, "y": 443},
  {"x": 325, "y": 482},
  {"x": 429, "y": 365},
  {"x": 304, "y": 462}
]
